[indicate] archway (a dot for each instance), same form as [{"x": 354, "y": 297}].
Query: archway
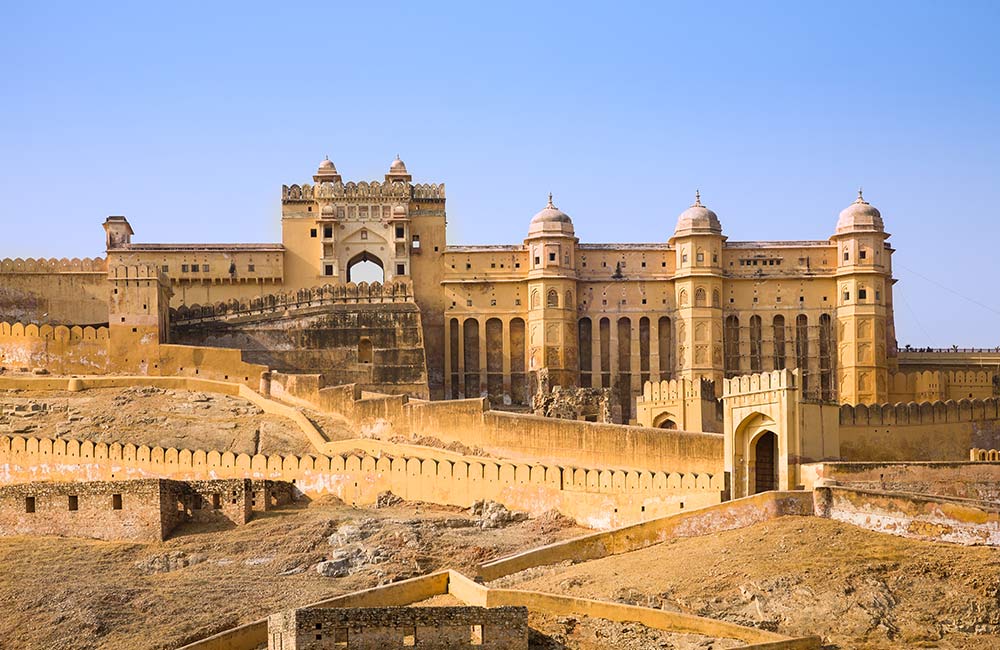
[
  {"x": 765, "y": 462},
  {"x": 365, "y": 267},
  {"x": 665, "y": 421},
  {"x": 365, "y": 351}
]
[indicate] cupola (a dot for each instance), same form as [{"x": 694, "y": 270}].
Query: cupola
[{"x": 550, "y": 220}]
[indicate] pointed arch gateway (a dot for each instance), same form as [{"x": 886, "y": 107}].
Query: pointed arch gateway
[
  {"x": 371, "y": 268},
  {"x": 756, "y": 443}
]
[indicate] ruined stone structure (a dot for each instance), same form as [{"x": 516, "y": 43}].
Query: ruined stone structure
[
  {"x": 135, "y": 510},
  {"x": 382, "y": 628}
]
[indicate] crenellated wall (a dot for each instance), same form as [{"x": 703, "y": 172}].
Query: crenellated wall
[
  {"x": 598, "y": 498},
  {"x": 942, "y": 430},
  {"x": 941, "y": 385},
  {"x": 57, "y": 291},
  {"x": 527, "y": 438},
  {"x": 59, "y": 349}
]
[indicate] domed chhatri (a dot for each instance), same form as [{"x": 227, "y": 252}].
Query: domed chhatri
[
  {"x": 398, "y": 172},
  {"x": 397, "y": 166},
  {"x": 698, "y": 220},
  {"x": 326, "y": 172},
  {"x": 860, "y": 215},
  {"x": 550, "y": 220}
]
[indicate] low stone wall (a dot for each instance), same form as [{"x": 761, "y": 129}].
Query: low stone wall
[
  {"x": 730, "y": 515},
  {"x": 383, "y": 628},
  {"x": 930, "y": 518},
  {"x": 965, "y": 480}
]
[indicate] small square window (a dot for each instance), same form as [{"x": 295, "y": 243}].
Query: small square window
[
  {"x": 399, "y": 232},
  {"x": 538, "y": 260},
  {"x": 552, "y": 257},
  {"x": 468, "y": 267},
  {"x": 663, "y": 264},
  {"x": 517, "y": 265},
  {"x": 364, "y": 234},
  {"x": 847, "y": 256},
  {"x": 165, "y": 268},
  {"x": 184, "y": 268},
  {"x": 327, "y": 232},
  {"x": 863, "y": 254},
  {"x": 29, "y": 504},
  {"x": 715, "y": 258},
  {"x": 416, "y": 242},
  {"x": 493, "y": 302},
  {"x": 204, "y": 267},
  {"x": 802, "y": 298},
  {"x": 251, "y": 268},
  {"x": 644, "y": 301},
  {"x": 684, "y": 258},
  {"x": 195, "y": 268},
  {"x": 328, "y": 269},
  {"x": 700, "y": 257},
  {"x": 755, "y": 298},
  {"x": 878, "y": 296},
  {"x": 862, "y": 294},
  {"x": 517, "y": 302},
  {"x": 116, "y": 502},
  {"x": 74, "y": 502},
  {"x": 468, "y": 302},
  {"x": 493, "y": 265},
  {"x": 400, "y": 269},
  {"x": 644, "y": 265},
  {"x": 312, "y": 232},
  {"x": 847, "y": 296}
]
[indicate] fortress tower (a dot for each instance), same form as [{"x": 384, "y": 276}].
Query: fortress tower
[
  {"x": 864, "y": 285},
  {"x": 697, "y": 244},
  {"x": 552, "y": 339}
]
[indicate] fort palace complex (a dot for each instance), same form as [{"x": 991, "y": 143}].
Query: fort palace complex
[{"x": 650, "y": 391}]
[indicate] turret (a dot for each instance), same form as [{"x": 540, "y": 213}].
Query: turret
[
  {"x": 117, "y": 233},
  {"x": 697, "y": 244},
  {"x": 551, "y": 244},
  {"x": 864, "y": 286}
]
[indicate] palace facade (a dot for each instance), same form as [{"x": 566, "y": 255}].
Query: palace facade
[{"x": 693, "y": 306}]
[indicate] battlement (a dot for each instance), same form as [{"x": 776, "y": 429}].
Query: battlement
[
  {"x": 675, "y": 389},
  {"x": 54, "y": 332},
  {"x": 53, "y": 265},
  {"x": 938, "y": 412},
  {"x": 328, "y": 294},
  {"x": 367, "y": 190},
  {"x": 758, "y": 382},
  {"x": 137, "y": 272}
]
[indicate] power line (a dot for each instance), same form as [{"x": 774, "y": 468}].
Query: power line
[{"x": 951, "y": 291}]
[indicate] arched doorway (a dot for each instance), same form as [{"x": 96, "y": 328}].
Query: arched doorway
[
  {"x": 365, "y": 351},
  {"x": 665, "y": 421},
  {"x": 365, "y": 267},
  {"x": 765, "y": 462}
]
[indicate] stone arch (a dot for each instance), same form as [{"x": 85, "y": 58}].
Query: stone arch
[
  {"x": 365, "y": 350},
  {"x": 364, "y": 257},
  {"x": 665, "y": 420},
  {"x": 746, "y": 437},
  {"x": 552, "y": 298}
]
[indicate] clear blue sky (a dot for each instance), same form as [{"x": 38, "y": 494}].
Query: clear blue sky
[{"x": 187, "y": 118}]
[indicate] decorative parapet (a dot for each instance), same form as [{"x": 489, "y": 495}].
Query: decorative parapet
[
  {"x": 53, "y": 333},
  {"x": 939, "y": 412},
  {"x": 984, "y": 455},
  {"x": 759, "y": 382},
  {"x": 53, "y": 265},
  {"x": 350, "y": 293},
  {"x": 367, "y": 190}
]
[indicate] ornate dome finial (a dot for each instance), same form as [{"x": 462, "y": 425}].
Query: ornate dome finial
[
  {"x": 861, "y": 196},
  {"x": 550, "y": 205},
  {"x": 697, "y": 200}
]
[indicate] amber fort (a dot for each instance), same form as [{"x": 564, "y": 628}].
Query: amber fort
[{"x": 647, "y": 392}]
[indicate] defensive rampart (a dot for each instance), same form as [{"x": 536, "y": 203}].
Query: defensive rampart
[
  {"x": 595, "y": 498},
  {"x": 59, "y": 349},
  {"x": 526, "y": 438},
  {"x": 57, "y": 291},
  {"x": 923, "y": 432}
]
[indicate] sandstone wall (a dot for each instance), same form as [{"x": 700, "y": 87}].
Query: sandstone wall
[
  {"x": 378, "y": 628},
  {"x": 922, "y": 432},
  {"x": 527, "y": 438},
  {"x": 63, "y": 291},
  {"x": 127, "y": 510},
  {"x": 930, "y": 518},
  {"x": 59, "y": 349},
  {"x": 966, "y": 480},
  {"x": 595, "y": 498}
]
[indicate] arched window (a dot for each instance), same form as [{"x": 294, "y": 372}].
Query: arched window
[
  {"x": 756, "y": 343},
  {"x": 683, "y": 298},
  {"x": 699, "y": 297},
  {"x": 802, "y": 349},
  {"x": 731, "y": 342},
  {"x": 552, "y": 299},
  {"x": 365, "y": 350},
  {"x": 779, "y": 342},
  {"x": 536, "y": 301},
  {"x": 716, "y": 300}
]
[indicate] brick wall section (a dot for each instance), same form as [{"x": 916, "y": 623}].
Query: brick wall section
[
  {"x": 140, "y": 517},
  {"x": 139, "y": 510},
  {"x": 383, "y": 628}
]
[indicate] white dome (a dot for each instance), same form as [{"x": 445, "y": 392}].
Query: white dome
[
  {"x": 550, "y": 219},
  {"x": 860, "y": 215},
  {"x": 698, "y": 220}
]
